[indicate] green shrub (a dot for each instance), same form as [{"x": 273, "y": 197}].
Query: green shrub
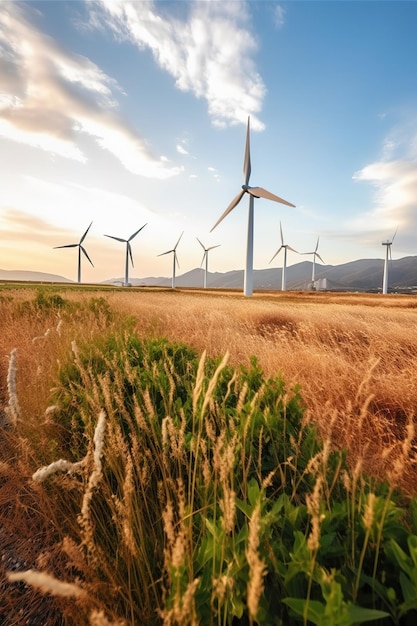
[{"x": 217, "y": 503}]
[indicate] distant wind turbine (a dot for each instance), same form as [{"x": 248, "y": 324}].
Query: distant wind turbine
[
  {"x": 388, "y": 257},
  {"x": 174, "y": 259},
  {"x": 315, "y": 254},
  {"x": 285, "y": 247},
  {"x": 128, "y": 252},
  {"x": 205, "y": 258},
  {"x": 80, "y": 249},
  {"x": 254, "y": 192}
]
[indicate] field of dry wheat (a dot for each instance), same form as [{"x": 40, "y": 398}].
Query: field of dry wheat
[{"x": 351, "y": 356}]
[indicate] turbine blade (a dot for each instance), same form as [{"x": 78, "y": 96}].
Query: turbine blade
[
  {"x": 276, "y": 253},
  {"x": 85, "y": 234},
  {"x": 282, "y": 236},
  {"x": 246, "y": 164},
  {"x": 317, "y": 244},
  {"x": 202, "y": 245},
  {"x": 167, "y": 252},
  {"x": 85, "y": 252},
  {"x": 204, "y": 256},
  {"x": 70, "y": 245},
  {"x": 176, "y": 258},
  {"x": 231, "y": 206},
  {"x": 319, "y": 257},
  {"x": 129, "y": 250},
  {"x": 293, "y": 250},
  {"x": 259, "y": 192},
  {"x": 212, "y": 247},
  {"x": 175, "y": 247},
  {"x": 117, "y": 238},
  {"x": 394, "y": 235},
  {"x": 137, "y": 232}
]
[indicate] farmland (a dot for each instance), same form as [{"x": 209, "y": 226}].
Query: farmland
[{"x": 336, "y": 370}]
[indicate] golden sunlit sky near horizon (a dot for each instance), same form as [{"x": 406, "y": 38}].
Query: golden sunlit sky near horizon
[{"x": 123, "y": 113}]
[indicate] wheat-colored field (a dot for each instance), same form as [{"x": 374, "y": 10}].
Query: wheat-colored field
[{"x": 353, "y": 355}]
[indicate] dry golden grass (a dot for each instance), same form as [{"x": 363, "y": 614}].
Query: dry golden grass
[{"x": 353, "y": 355}]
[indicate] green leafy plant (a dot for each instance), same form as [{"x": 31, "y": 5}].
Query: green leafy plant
[{"x": 212, "y": 500}]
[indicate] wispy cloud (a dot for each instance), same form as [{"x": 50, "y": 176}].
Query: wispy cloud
[
  {"x": 279, "y": 15},
  {"x": 17, "y": 225},
  {"x": 209, "y": 51},
  {"x": 52, "y": 98},
  {"x": 181, "y": 149},
  {"x": 394, "y": 180},
  {"x": 395, "y": 189},
  {"x": 214, "y": 173}
]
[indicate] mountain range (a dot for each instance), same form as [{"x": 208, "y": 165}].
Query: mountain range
[{"x": 361, "y": 275}]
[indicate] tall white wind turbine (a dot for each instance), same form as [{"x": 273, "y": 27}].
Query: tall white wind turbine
[
  {"x": 285, "y": 247},
  {"x": 205, "y": 258},
  {"x": 128, "y": 252},
  {"x": 388, "y": 257},
  {"x": 80, "y": 249},
  {"x": 254, "y": 192},
  {"x": 315, "y": 254},
  {"x": 174, "y": 259}
]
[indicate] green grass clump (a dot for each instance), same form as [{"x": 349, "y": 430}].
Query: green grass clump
[{"x": 202, "y": 496}]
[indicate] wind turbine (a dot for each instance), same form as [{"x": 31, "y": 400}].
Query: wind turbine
[
  {"x": 254, "y": 192},
  {"x": 205, "y": 257},
  {"x": 80, "y": 249},
  {"x": 388, "y": 256},
  {"x": 128, "y": 252},
  {"x": 286, "y": 247},
  {"x": 174, "y": 258},
  {"x": 315, "y": 254}
]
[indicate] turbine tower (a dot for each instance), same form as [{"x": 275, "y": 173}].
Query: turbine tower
[
  {"x": 285, "y": 247},
  {"x": 254, "y": 192},
  {"x": 205, "y": 257},
  {"x": 174, "y": 259},
  {"x": 388, "y": 257},
  {"x": 128, "y": 252},
  {"x": 80, "y": 249},
  {"x": 315, "y": 254}
]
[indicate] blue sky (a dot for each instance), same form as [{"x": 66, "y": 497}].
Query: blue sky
[{"x": 125, "y": 113}]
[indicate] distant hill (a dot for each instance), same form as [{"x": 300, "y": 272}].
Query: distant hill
[
  {"x": 27, "y": 275},
  {"x": 361, "y": 275}
]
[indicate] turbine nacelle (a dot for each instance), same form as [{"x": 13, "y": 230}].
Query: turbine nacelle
[{"x": 249, "y": 190}]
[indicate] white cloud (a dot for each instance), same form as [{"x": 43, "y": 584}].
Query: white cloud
[
  {"x": 214, "y": 172},
  {"x": 279, "y": 15},
  {"x": 181, "y": 149},
  {"x": 65, "y": 205},
  {"x": 395, "y": 190},
  {"x": 394, "y": 182},
  {"x": 51, "y": 97},
  {"x": 209, "y": 52}
]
